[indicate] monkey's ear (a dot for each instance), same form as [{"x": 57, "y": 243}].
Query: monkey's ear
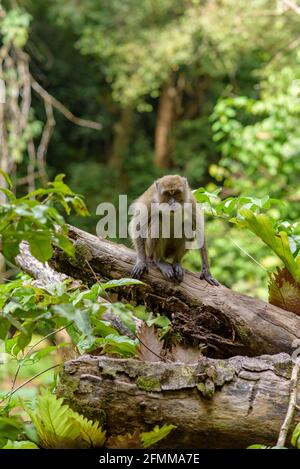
[{"x": 157, "y": 184}]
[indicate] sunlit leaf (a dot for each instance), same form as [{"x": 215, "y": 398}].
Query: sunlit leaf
[
  {"x": 59, "y": 427},
  {"x": 121, "y": 283},
  {"x": 7, "y": 178},
  {"x": 157, "y": 434},
  {"x": 20, "y": 445}
]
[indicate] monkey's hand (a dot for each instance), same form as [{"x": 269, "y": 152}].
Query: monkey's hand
[
  {"x": 206, "y": 275},
  {"x": 178, "y": 272},
  {"x": 139, "y": 269}
]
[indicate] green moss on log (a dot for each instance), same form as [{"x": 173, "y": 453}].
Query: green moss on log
[{"x": 148, "y": 383}]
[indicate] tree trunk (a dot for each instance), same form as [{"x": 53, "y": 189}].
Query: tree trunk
[
  {"x": 214, "y": 403},
  {"x": 164, "y": 122},
  {"x": 122, "y": 136},
  {"x": 224, "y": 323}
]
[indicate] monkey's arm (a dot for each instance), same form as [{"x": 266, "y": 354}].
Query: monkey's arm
[
  {"x": 205, "y": 271},
  {"x": 198, "y": 222},
  {"x": 140, "y": 266},
  {"x": 138, "y": 229}
]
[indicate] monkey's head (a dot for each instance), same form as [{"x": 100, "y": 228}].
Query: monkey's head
[{"x": 171, "y": 190}]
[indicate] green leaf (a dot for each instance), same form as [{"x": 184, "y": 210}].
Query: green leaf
[
  {"x": 140, "y": 312},
  {"x": 103, "y": 328},
  {"x": 37, "y": 356},
  {"x": 80, "y": 318},
  {"x": 10, "y": 244},
  {"x": 79, "y": 206},
  {"x": 54, "y": 423},
  {"x": 296, "y": 437},
  {"x": 263, "y": 227},
  {"x": 20, "y": 445},
  {"x": 7, "y": 178},
  {"x": 65, "y": 244},
  {"x": 59, "y": 427},
  {"x": 25, "y": 337},
  {"x": 14, "y": 322},
  {"x": 40, "y": 246},
  {"x": 91, "y": 295},
  {"x": 90, "y": 432},
  {"x": 125, "y": 312},
  {"x": 121, "y": 283},
  {"x": 61, "y": 186},
  {"x": 160, "y": 321},
  {"x": 9, "y": 194},
  {"x": 10, "y": 428},
  {"x": 257, "y": 446},
  {"x": 4, "y": 328},
  {"x": 157, "y": 434},
  {"x": 117, "y": 345}
]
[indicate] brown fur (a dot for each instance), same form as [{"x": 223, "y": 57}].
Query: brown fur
[{"x": 174, "y": 191}]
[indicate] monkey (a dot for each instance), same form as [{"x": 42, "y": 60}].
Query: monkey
[{"x": 170, "y": 195}]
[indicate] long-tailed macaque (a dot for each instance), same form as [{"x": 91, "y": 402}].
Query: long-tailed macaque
[{"x": 166, "y": 219}]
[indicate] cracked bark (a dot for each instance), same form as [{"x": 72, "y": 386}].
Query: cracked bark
[
  {"x": 247, "y": 405},
  {"x": 224, "y": 322}
]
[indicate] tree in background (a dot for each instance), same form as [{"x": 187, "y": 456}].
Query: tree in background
[{"x": 178, "y": 87}]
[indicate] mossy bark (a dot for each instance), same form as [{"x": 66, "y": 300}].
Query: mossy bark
[{"x": 214, "y": 403}]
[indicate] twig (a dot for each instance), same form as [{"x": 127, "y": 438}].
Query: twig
[
  {"x": 292, "y": 5},
  {"x": 62, "y": 109},
  {"x": 25, "y": 179},
  {"x": 163, "y": 359},
  {"x": 31, "y": 165},
  {"x": 282, "y": 52},
  {"x": 292, "y": 404},
  {"x": 98, "y": 281},
  {"x": 43, "y": 146},
  {"x": 30, "y": 350},
  {"x": 247, "y": 254},
  {"x": 28, "y": 381}
]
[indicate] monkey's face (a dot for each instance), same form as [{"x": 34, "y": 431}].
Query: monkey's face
[{"x": 171, "y": 192}]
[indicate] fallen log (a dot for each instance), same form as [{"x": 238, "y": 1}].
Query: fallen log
[
  {"x": 224, "y": 323},
  {"x": 216, "y": 402},
  {"x": 229, "y": 403}
]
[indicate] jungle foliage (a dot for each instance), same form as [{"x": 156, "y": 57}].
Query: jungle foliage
[
  {"x": 218, "y": 79},
  {"x": 207, "y": 89}
]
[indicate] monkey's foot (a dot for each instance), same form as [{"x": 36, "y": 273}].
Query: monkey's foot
[
  {"x": 207, "y": 276},
  {"x": 178, "y": 271},
  {"x": 139, "y": 269},
  {"x": 166, "y": 269}
]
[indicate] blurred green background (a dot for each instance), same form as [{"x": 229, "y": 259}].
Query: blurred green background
[{"x": 207, "y": 89}]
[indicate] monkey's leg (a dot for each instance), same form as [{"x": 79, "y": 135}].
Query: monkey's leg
[
  {"x": 205, "y": 271},
  {"x": 177, "y": 268},
  {"x": 166, "y": 248},
  {"x": 178, "y": 271},
  {"x": 165, "y": 268},
  {"x": 141, "y": 262}
]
